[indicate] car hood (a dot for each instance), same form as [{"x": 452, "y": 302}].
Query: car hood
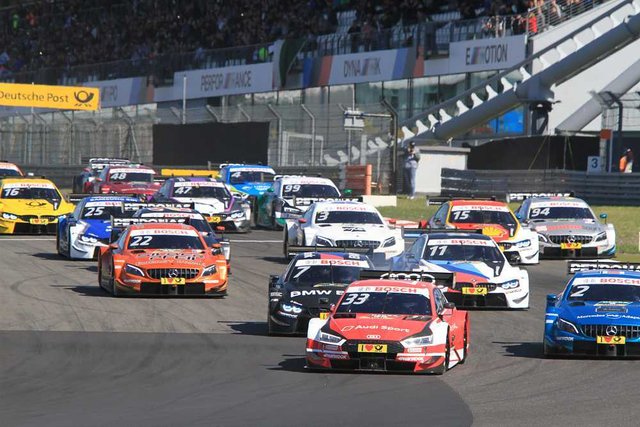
[
  {"x": 473, "y": 271},
  {"x": 147, "y": 188},
  {"x": 169, "y": 258},
  {"x": 353, "y": 231},
  {"x": 551, "y": 228},
  {"x": 602, "y": 313},
  {"x": 98, "y": 228},
  {"x": 35, "y": 207},
  {"x": 207, "y": 205},
  {"x": 309, "y": 296},
  {"x": 383, "y": 327},
  {"x": 497, "y": 232}
]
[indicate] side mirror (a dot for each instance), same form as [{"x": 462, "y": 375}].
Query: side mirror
[
  {"x": 519, "y": 216},
  {"x": 449, "y": 305},
  {"x": 270, "y": 190},
  {"x": 552, "y": 299},
  {"x": 512, "y": 257},
  {"x": 98, "y": 179},
  {"x": 216, "y": 249},
  {"x": 347, "y": 192},
  {"x": 273, "y": 279},
  {"x": 437, "y": 221},
  {"x": 604, "y": 215},
  {"x": 220, "y": 228},
  {"x": 302, "y": 220},
  {"x": 113, "y": 246},
  {"x": 392, "y": 221}
]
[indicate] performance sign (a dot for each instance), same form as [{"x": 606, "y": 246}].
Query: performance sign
[{"x": 45, "y": 96}]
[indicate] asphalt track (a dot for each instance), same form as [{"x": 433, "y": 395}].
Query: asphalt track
[{"x": 72, "y": 355}]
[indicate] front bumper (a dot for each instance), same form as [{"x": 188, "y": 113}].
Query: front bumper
[
  {"x": 288, "y": 324},
  {"x": 238, "y": 225},
  {"x": 548, "y": 250},
  {"x": 498, "y": 298},
  {"x": 192, "y": 287},
  {"x": 561, "y": 343},
  {"x": 25, "y": 227}
]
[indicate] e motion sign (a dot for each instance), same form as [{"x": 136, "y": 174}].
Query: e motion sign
[{"x": 486, "y": 54}]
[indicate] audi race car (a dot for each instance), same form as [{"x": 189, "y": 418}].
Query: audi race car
[
  {"x": 496, "y": 220},
  {"x": 568, "y": 228},
  {"x": 289, "y": 198},
  {"x": 162, "y": 259},
  {"x": 9, "y": 169},
  {"x": 343, "y": 224},
  {"x": 390, "y": 325},
  {"x": 483, "y": 276},
  {"x": 88, "y": 227},
  {"x": 83, "y": 183},
  {"x": 126, "y": 179},
  {"x": 30, "y": 205},
  {"x": 311, "y": 282},
  {"x": 211, "y": 198},
  {"x": 597, "y": 314},
  {"x": 248, "y": 180}
]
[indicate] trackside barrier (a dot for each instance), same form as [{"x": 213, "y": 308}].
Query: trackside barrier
[
  {"x": 599, "y": 189},
  {"x": 356, "y": 178}
]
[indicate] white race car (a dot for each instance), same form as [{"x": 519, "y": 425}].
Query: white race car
[{"x": 343, "y": 224}]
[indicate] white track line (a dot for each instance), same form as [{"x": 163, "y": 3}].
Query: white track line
[
  {"x": 255, "y": 241},
  {"x": 13, "y": 239}
]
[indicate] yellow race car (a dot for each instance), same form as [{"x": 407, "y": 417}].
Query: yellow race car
[{"x": 30, "y": 205}]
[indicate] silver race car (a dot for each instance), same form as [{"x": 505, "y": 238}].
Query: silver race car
[{"x": 568, "y": 228}]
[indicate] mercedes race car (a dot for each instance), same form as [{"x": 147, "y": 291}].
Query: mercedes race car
[
  {"x": 83, "y": 183},
  {"x": 126, "y": 179},
  {"x": 483, "y": 277},
  {"x": 495, "y": 219},
  {"x": 9, "y": 169},
  {"x": 597, "y": 314},
  {"x": 289, "y": 198},
  {"x": 88, "y": 227},
  {"x": 311, "y": 282},
  {"x": 343, "y": 224},
  {"x": 162, "y": 259},
  {"x": 30, "y": 205},
  {"x": 390, "y": 325},
  {"x": 211, "y": 198},
  {"x": 567, "y": 228},
  {"x": 248, "y": 180}
]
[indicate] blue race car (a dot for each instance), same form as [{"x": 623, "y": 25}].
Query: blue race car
[
  {"x": 247, "y": 180},
  {"x": 89, "y": 226},
  {"x": 597, "y": 314}
]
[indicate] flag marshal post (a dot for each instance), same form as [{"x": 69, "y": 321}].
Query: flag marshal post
[{"x": 47, "y": 96}]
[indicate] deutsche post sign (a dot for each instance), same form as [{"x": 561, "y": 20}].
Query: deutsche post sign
[{"x": 44, "y": 96}]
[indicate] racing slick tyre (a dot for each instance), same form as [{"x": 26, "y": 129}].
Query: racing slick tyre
[
  {"x": 465, "y": 345},
  {"x": 546, "y": 350},
  {"x": 285, "y": 246},
  {"x": 112, "y": 284},
  {"x": 447, "y": 355},
  {"x": 252, "y": 217},
  {"x": 58, "y": 243},
  {"x": 274, "y": 221}
]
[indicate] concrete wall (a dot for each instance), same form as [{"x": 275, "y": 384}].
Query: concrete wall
[{"x": 432, "y": 161}]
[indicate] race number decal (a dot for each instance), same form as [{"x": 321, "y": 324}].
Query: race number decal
[
  {"x": 536, "y": 212},
  {"x": 355, "y": 299},
  {"x": 140, "y": 240},
  {"x": 578, "y": 291},
  {"x": 460, "y": 215}
]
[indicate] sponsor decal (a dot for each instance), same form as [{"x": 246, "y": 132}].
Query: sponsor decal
[
  {"x": 558, "y": 204},
  {"x": 492, "y": 208},
  {"x": 28, "y": 185},
  {"x": 131, "y": 170},
  {"x": 313, "y": 292},
  {"x": 564, "y": 338},
  {"x": 199, "y": 184},
  {"x": 571, "y": 246},
  {"x": 373, "y": 337},
  {"x": 372, "y": 348},
  {"x": 575, "y": 266},
  {"x": 390, "y": 289},
  {"x": 334, "y": 262},
  {"x": 611, "y": 340},
  {"x": 522, "y": 196},
  {"x": 608, "y": 316},
  {"x": 474, "y": 291},
  {"x": 172, "y": 280},
  {"x": 163, "y": 232},
  {"x": 39, "y": 221},
  {"x": 621, "y": 280},
  {"x": 493, "y": 231},
  {"x": 459, "y": 242},
  {"x": 47, "y": 96}
]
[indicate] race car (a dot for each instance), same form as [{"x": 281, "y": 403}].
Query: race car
[
  {"x": 88, "y": 227},
  {"x": 483, "y": 277},
  {"x": 597, "y": 314},
  {"x": 30, "y": 205},
  {"x": 312, "y": 280},
  {"x": 289, "y": 197},
  {"x": 83, "y": 183},
  {"x": 162, "y": 259},
  {"x": 567, "y": 228},
  {"x": 9, "y": 169},
  {"x": 496, "y": 220},
  {"x": 211, "y": 198},
  {"x": 390, "y": 325},
  {"x": 343, "y": 224},
  {"x": 131, "y": 179},
  {"x": 249, "y": 180}
]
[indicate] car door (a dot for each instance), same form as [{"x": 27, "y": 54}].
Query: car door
[{"x": 70, "y": 221}]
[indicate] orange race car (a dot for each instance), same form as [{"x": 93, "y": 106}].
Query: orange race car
[{"x": 162, "y": 259}]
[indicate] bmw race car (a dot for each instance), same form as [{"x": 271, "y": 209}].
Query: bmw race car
[
  {"x": 88, "y": 227},
  {"x": 495, "y": 219},
  {"x": 597, "y": 314},
  {"x": 30, "y": 205},
  {"x": 126, "y": 179},
  {"x": 311, "y": 282},
  {"x": 568, "y": 228},
  {"x": 343, "y": 224},
  {"x": 211, "y": 198},
  {"x": 289, "y": 198},
  {"x": 390, "y": 325},
  {"x": 483, "y": 277},
  {"x": 249, "y": 180},
  {"x": 83, "y": 183}
]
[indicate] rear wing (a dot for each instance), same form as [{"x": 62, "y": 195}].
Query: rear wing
[
  {"x": 520, "y": 196},
  {"x": 415, "y": 233},
  {"x": 437, "y": 201},
  {"x": 576, "y": 266},
  {"x": 308, "y": 201},
  {"x": 189, "y": 173},
  {"x": 294, "y": 250},
  {"x": 436, "y": 277},
  {"x": 136, "y": 206}
]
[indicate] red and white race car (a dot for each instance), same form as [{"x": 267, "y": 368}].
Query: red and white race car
[{"x": 398, "y": 322}]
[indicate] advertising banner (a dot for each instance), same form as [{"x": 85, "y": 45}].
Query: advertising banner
[
  {"x": 122, "y": 92},
  {"x": 45, "y": 96},
  {"x": 486, "y": 54},
  {"x": 234, "y": 80}
]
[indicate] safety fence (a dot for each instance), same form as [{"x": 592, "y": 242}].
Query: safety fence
[{"x": 600, "y": 189}]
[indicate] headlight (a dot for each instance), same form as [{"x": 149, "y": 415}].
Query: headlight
[
  {"x": 326, "y": 338},
  {"x": 511, "y": 284},
  {"x": 7, "y": 215},
  {"x": 523, "y": 244},
  {"x": 391, "y": 241},
  {"x": 602, "y": 236},
  {"x": 291, "y": 308},
  {"x": 88, "y": 239},
  {"x": 321, "y": 241},
  {"x": 208, "y": 271},
  {"x": 237, "y": 215},
  {"x": 133, "y": 270},
  {"x": 566, "y": 326},
  {"x": 418, "y": 341},
  {"x": 543, "y": 238}
]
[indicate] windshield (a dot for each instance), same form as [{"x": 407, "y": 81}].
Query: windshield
[
  {"x": 569, "y": 213},
  {"x": 9, "y": 172},
  {"x": 384, "y": 303},
  {"x": 600, "y": 292},
  {"x": 309, "y": 190},
  {"x": 101, "y": 212},
  {"x": 238, "y": 177},
  {"x": 197, "y": 191},
  {"x": 130, "y": 177},
  {"x": 451, "y": 250},
  {"x": 349, "y": 217},
  {"x": 504, "y": 218},
  {"x": 311, "y": 275},
  {"x": 46, "y": 193},
  {"x": 164, "y": 241}
]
